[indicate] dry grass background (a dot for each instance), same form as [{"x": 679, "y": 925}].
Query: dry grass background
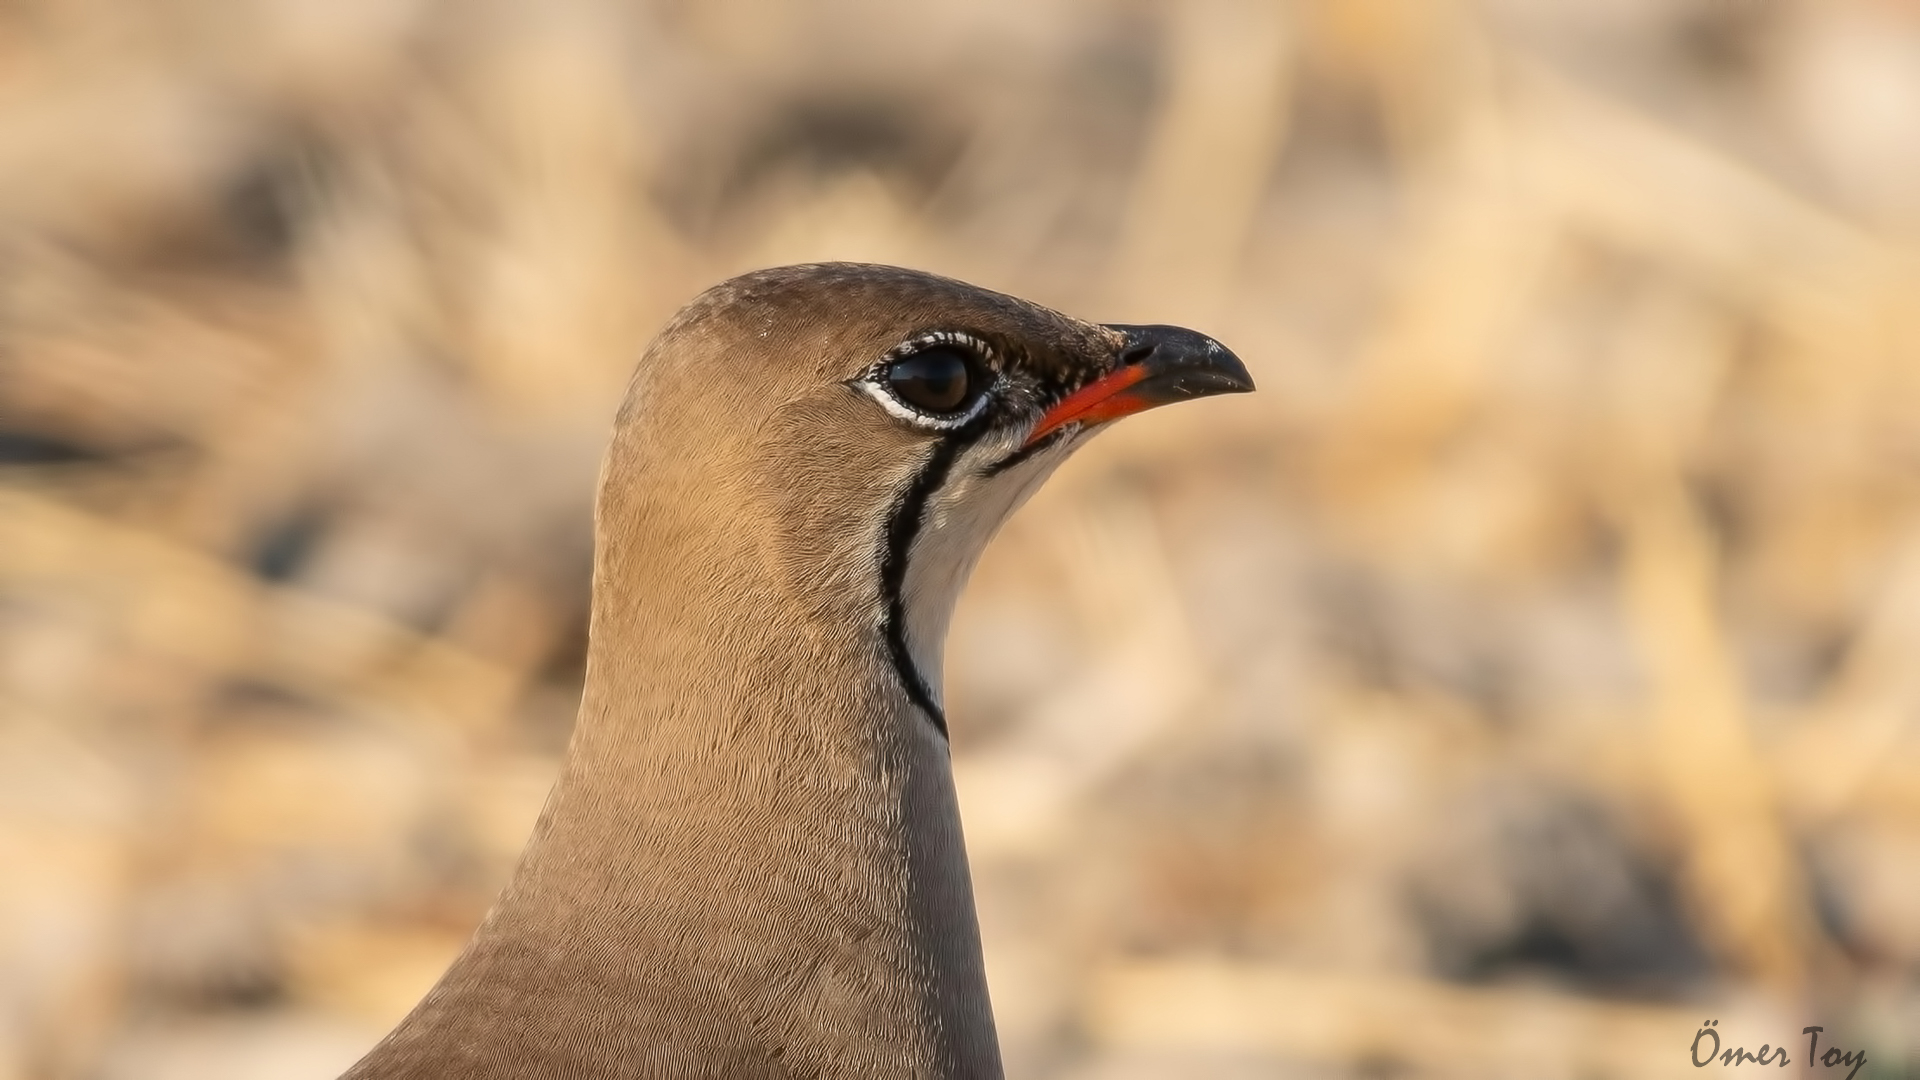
[{"x": 1527, "y": 674}]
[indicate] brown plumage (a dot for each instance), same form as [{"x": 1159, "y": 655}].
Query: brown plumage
[{"x": 752, "y": 864}]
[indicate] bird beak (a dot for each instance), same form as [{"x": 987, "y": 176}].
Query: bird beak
[{"x": 1159, "y": 365}]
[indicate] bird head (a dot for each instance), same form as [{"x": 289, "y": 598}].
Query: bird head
[{"x": 858, "y": 433}]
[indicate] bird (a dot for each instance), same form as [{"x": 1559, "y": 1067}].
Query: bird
[{"x": 751, "y": 864}]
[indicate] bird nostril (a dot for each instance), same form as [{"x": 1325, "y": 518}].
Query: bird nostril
[{"x": 1138, "y": 354}]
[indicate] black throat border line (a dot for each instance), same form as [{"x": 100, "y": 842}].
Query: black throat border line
[{"x": 903, "y": 526}]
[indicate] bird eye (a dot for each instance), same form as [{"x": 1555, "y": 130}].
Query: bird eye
[{"x": 939, "y": 379}]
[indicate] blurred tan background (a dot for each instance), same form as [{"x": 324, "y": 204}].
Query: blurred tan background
[{"x": 1528, "y": 674}]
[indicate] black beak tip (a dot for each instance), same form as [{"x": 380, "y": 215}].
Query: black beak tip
[
  {"x": 1183, "y": 363},
  {"x": 1229, "y": 374}
]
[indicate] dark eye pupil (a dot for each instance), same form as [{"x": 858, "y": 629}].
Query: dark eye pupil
[{"x": 938, "y": 379}]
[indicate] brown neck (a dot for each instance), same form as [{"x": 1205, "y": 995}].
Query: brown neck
[{"x": 752, "y": 864}]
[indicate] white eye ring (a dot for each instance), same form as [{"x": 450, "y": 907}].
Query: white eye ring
[{"x": 873, "y": 381}]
